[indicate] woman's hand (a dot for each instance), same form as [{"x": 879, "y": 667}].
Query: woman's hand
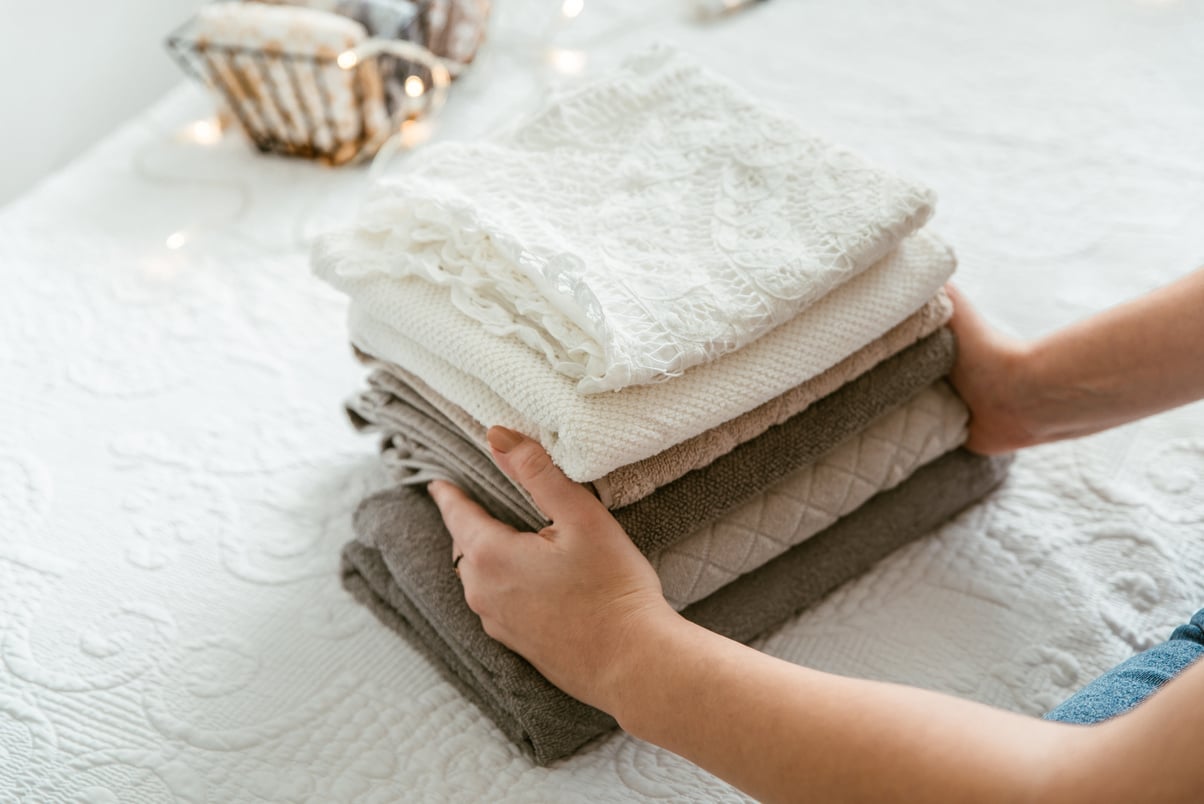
[
  {"x": 572, "y": 598},
  {"x": 1133, "y": 360},
  {"x": 585, "y": 608},
  {"x": 989, "y": 375},
  {"x": 581, "y": 603}
]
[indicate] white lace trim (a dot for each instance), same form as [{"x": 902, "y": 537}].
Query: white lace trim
[
  {"x": 643, "y": 224},
  {"x": 413, "y": 323}
]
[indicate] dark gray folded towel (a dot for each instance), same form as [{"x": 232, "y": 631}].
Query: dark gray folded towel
[
  {"x": 414, "y": 430},
  {"x": 400, "y": 568}
]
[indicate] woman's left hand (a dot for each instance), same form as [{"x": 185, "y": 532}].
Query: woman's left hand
[{"x": 572, "y": 599}]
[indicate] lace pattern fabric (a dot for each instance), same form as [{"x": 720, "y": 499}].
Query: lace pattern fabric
[
  {"x": 653, "y": 220},
  {"x": 497, "y": 380}
]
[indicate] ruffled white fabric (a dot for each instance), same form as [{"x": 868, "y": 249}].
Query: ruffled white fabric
[
  {"x": 498, "y": 380},
  {"x": 651, "y": 221}
]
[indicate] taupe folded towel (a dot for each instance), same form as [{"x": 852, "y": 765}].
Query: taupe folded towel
[
  {"x": 812, "y": 498},
  {"x": 633, "y": 482},
  {"x": 400, "y": 568},
  {"x": 421, "y": 444},
  {"x": 701, "y": 496}
]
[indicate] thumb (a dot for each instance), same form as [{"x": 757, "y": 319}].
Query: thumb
[
  {"x": 966, "y": 322},
  {"x": 526, "y": 462}
]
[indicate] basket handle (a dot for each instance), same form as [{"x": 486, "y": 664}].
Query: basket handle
[{"x": 441, "y": 73}]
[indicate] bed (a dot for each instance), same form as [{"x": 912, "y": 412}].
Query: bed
[{"x": 176, "y": 475}]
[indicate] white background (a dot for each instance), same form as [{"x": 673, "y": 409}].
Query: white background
[
  {"x": 177, "y": 475},
  {"x": 71, "y": 71}
]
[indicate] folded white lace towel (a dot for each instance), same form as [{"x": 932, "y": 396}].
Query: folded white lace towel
[
  {"x": 648, "y": 222},
  {"x": 801, "y": 505},
  {"x": 498, "y": 380}
]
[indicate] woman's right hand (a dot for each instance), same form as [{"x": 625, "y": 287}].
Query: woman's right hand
[{"x": 577, "y": 599}]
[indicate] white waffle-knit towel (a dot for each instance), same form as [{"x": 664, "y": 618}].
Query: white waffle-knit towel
[
  {"x": 498, "y": 380},
  {"x": 653, "y": 220}
]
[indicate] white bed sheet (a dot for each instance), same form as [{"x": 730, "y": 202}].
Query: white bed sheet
[{"x": 176, "y": 477}]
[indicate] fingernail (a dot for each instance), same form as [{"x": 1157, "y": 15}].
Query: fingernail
[
  {"x": 503, "y": 439},
  {"x": 435, "y": 489}
]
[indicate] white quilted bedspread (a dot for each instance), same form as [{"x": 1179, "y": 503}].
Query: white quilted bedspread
[{"x": 176, "y": 476}]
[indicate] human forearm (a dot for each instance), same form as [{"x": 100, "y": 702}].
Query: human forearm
[
  {"x": 1131, "y": 361},
  {"x": 1150, "y": 753},
  {"x": 783, "y": 732},
  {"x": 581, "y": 603}
]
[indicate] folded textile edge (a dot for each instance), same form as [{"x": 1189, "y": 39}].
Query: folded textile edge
[
  {"x": 631, "y": 483},
  {"x": 812, "y": 498},
  {"x": 399, "y": 570},
  {"x": 500, "y": 381},
  {"x": 681, "y": 507},
  {"x": 800, "y": 505},
  {"x": 588, "y": 228}
]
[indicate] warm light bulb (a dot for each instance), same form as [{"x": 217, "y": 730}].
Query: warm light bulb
[
  {"x": 347, "y": 59},
  {"x": 414, "y": 86},
  {"x": 414, "y": 133},
  {"x": 204, "y": 132},
  {"x": 569, "y": 62},
  {"x": 571, "y": 8}
]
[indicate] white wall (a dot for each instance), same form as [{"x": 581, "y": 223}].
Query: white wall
[{"x": 71, "y": 71}]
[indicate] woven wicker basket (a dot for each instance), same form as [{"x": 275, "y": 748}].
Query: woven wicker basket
[{"x": 335, "y": 107}]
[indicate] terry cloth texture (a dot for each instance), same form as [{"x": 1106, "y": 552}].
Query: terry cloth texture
[
  {"x": 399, "y": 567},
  {"x": 810, "y": 499},
  {"x": 498, "y": 380},
  {"x": 633, "y": 482},
  {"x": 685, "y": 505},
  {"x": 803, "y": 503},
  {"x": 650, "y": 221}
]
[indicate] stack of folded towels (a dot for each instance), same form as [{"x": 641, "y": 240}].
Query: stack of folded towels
[{"x": 730, "y": 328}]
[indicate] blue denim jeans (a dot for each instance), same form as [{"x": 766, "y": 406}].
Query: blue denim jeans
[{"x": 1135, "y": 679}]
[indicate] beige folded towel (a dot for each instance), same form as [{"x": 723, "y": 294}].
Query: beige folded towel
[
  {"x": 501, "y": 381},
  {"x": 635, "y": 481},
  {"x": 811, "y": 498}
]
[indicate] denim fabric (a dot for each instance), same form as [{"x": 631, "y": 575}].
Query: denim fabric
[{"x": 1135, "y": 679}]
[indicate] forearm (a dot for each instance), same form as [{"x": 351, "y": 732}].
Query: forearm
[
  {"x": 1134, "y": 360},
  {"x": 783, "y": 732},
  {"x": 581, "y": 603}
]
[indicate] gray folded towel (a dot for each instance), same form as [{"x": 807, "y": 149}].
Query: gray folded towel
[
  {"x": 399, "y": 567},
  {"x": 629, "y": 483},
  {"x": 415, "y": 428},
  {"x": 420, "y": 444}
]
